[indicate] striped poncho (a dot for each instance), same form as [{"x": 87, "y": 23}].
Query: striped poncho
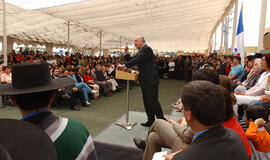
[{"x": 70, "y": 137}]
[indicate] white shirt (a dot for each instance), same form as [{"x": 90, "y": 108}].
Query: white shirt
[
  {"x": 262, "y": 82},
  {"x": 171, "y": 66}
]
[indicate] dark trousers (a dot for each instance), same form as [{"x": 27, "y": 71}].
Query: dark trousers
[{"x": 151, "y": 103}]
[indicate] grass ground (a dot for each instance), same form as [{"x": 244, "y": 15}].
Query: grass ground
[{"x": 106, "y": 110}]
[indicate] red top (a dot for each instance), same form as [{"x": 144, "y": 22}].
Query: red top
[
  {"x": 234, "y": 125},
  {"x": 86, "y": 78},
  {"x": 68, "y": 60},
  {"x": 20, "y": 58},
  {"x": 227, "y": 69}
]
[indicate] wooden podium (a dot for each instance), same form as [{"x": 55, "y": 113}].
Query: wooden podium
[{"x": 119, "y": 74}]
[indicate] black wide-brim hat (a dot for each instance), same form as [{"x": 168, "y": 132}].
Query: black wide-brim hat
[
  {"x": 32, "y": 78},
  {"x": 25, "y": 141}
]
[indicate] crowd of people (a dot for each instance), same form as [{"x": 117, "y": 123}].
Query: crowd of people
[
  {"x": 94, "y": 76},
  {"x": 226, "y": 106},
  {"x": 246, "y": 93}
]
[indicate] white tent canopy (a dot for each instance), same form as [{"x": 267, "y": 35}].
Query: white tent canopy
[{"x": 166, "y": 25}]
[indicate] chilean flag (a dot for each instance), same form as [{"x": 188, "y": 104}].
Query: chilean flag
[{"x": 239, "y": 39}]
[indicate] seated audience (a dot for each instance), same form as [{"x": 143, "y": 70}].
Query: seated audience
[
  {"x": 177, "y": 136},
  {"x": 70, "y": 137},
  {"x": 255, "y": 93},
  {"x": 80, "y": 84},
  {"x": 70, "y": 92}
]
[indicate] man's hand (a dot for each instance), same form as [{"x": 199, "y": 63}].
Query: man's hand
[
  {"x": 265, "y": 98},
  {"x": 260, "y": 122},
  {"x": 75, "y": 89},
  {"x": 240, "y": 93},
  {"x": 239, "y": 83},
  {"x": 170, "y": 156},
  {"x": 120, "y": 66},
  {"x": 182, "y": 121},
  {"x": 171, "y": 121}
]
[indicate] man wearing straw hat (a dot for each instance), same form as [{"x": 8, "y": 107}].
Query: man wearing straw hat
[{"x": 33, "y": 90}]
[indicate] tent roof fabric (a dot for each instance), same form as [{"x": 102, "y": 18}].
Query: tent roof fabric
[{"x": 185, "y": 25}]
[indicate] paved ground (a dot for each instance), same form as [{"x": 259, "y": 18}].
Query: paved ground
[
  {"x": 107, "y": 110},
  {"x": 118, "y": 135}
]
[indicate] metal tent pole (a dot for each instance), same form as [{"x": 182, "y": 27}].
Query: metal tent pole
[
  {"x": 234, "y": 24},
  {"x": 262, "y": 25},
  {"x": 120, "y": 47},
  {"x": 68, "y": 25},
  {"x": 100, "y": 41},
  {"x": 222, "y": 36},
  {"x": 215, "y": 42},
  {"x": 4, "y": 50}
]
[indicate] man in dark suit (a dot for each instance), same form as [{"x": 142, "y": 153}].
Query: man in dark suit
[
  {"x": 224, "y": 63},
  {"x": 204, "y": 111},
  {"x": 148, "y": 79}
]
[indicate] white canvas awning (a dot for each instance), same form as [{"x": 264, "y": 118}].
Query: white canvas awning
[{"x": 166, "y": 25}]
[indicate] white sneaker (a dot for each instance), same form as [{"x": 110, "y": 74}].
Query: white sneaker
[
  {"x": 93, "y": 91},
  {"x": 87, "y": 103}
]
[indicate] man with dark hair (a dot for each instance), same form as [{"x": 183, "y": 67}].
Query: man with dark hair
[
  {"x": 204, "y": 114},
  {"x": 206, "y": 74},
  {"x": 224, "y": 63},
  {"x": 33, "y": 92},
  {"x": 237, "y": 70}
]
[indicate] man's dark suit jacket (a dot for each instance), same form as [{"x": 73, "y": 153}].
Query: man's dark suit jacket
[
  {"x": 146, "y": 65},
  {"x": 100, "y": 76},
  {"x": 217, "y": 143},
  {"x": 222, "y": 69}
]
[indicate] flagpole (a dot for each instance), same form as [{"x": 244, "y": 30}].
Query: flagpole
[
  {"x": 262, "y": 25},
  {"x": 239, "y": 42}
]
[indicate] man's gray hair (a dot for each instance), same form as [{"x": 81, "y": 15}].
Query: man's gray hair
[
  {"x": 258, "y": 61},
  {"x": 142, "y": 39}
]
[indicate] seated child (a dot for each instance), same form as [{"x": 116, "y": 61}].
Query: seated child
[{"x": 256, "y": 119}]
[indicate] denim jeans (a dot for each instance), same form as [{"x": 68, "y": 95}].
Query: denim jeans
[
  {"x": 86, "y": 90},
  {"x": 260, "y": 103}
]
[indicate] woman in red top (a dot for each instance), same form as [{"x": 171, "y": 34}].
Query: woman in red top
[
  {"x": 89, "y": 80},
  {"x": 230, "y": 121},
  {"x": 229, "y": 65}
]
